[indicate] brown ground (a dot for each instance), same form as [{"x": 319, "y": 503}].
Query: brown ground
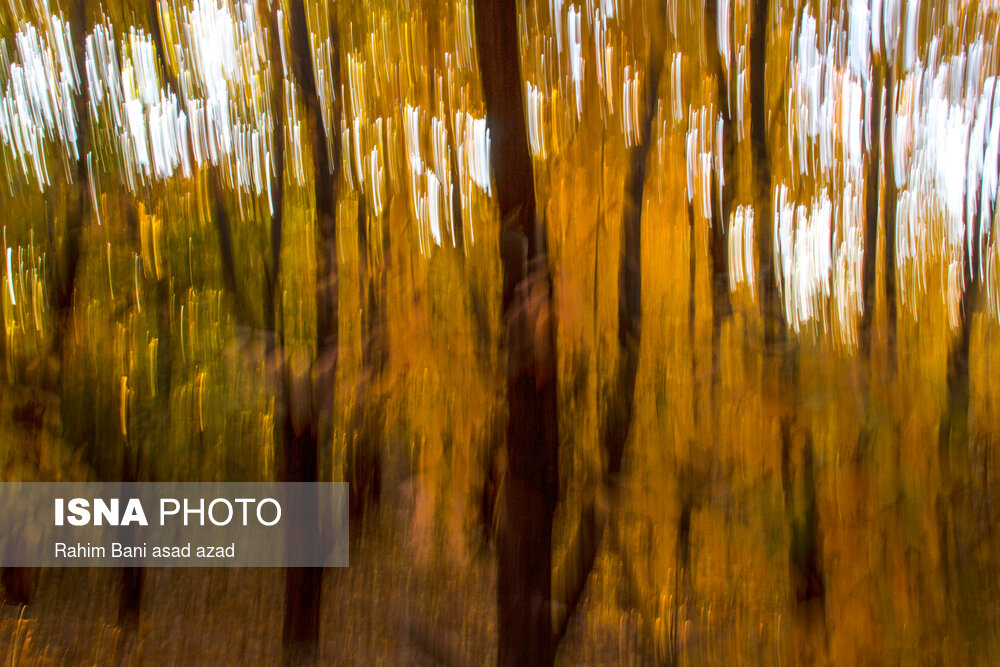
[{"x": 391, "y": 606}]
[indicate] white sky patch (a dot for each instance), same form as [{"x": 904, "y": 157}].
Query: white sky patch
[
  {"x": 37, "y": 103},
  {"x": 802, "y": 244},
  {"x": 819, "y": 213},
  {"x": 741, "y": 250},
  {"x": 10, "y": 279}
]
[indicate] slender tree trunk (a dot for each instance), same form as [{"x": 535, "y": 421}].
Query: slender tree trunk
[
  {"x": 74, "y": 227},
  {"x": 954, "y": 431},
  {"x": 224, "y": 234},
  {"x": 326, "y": 165},
  {"x": 616, "y": 414},
  {"x": 132, "y": 577},
  {"x": 272, "y": 300},
  {"x": 363, "y": 462},
  {"x": 303, "y": 586},
  {"x": 19, "y": 583},
  {"x": 954, "y": 434},
  {"x": 458, "y": 227},
  {"x": 891, "y": 199},
  {"x": 721, "y": 207},
  {"x": 758, "y": 135},
  {"x": 77, "y": 211},
  {"x": 618, "y": 421},
  {"x": 525, "y": 537},
  {"x": 869, "y": 261},
  {"x": 300, "y": 636}
]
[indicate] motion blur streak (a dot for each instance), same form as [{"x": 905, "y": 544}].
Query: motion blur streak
[{"x": 748, "y": 249}]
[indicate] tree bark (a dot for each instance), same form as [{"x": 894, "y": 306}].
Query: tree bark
[
  {"x": 19, "y": 583},
  {"x": 954, "y": 430},
  {"x": 868, "y": 263},
  {"x": 891, "y": 198},
  {"x": 524, "y": 577},
  {"x": 303, "y": 586}
]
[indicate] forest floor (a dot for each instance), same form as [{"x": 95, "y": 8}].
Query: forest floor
[{"x": 392, "y": 605}]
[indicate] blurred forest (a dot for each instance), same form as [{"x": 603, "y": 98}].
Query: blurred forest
[{"x": 645, "y": 332}]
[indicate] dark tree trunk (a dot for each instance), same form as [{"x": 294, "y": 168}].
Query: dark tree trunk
[
  {"x": 954, "y": 432},
  {"x": 303, "y": 586},
  {"x": 65, "y": 280},
  {"x": 132, "y": 578},
  {"x": 224, "y": 233},
  {"x": 272, "y": 300},
  {"x": 74, "y": 221},
  {"x": 805, "y": 547},
  {"x": 363, "y": 462},
  {"x": 525, "y": 537},
  {"x": 300, "y": 634},
  {"x": 954, "y": 435},
  {"x": 891, "y": 198},
  {"x": 618, "y": 421},
  {"x": 326, "y": 165},
  {"x": 758, "y": 134},
  {"x": 373, "y": 344},
  {"x": 956, "y": 413},
  {"x": 721, "y": 207},
  {"x": 458, "y": 228},
  {"x": 19, "y": 583},
  {"x": 871, "y": 216},
  {"x": 130, "y": 598}
]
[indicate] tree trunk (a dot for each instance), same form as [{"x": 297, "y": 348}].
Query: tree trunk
[
  {"x": 363, "y": 463},
  {"x": 722, "y": 207},
  {"x": 758, "y": 134},
  {"x": 954, "y": 431},
  {"x": 871, "y": 215},
  {"x": 891, "y": 198},
  {"x": 524, "y": 577},
  {"x": 19, "y": 583},
  {"x": 616, "y": 416},
  {"x": 303, "y": 586}
]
